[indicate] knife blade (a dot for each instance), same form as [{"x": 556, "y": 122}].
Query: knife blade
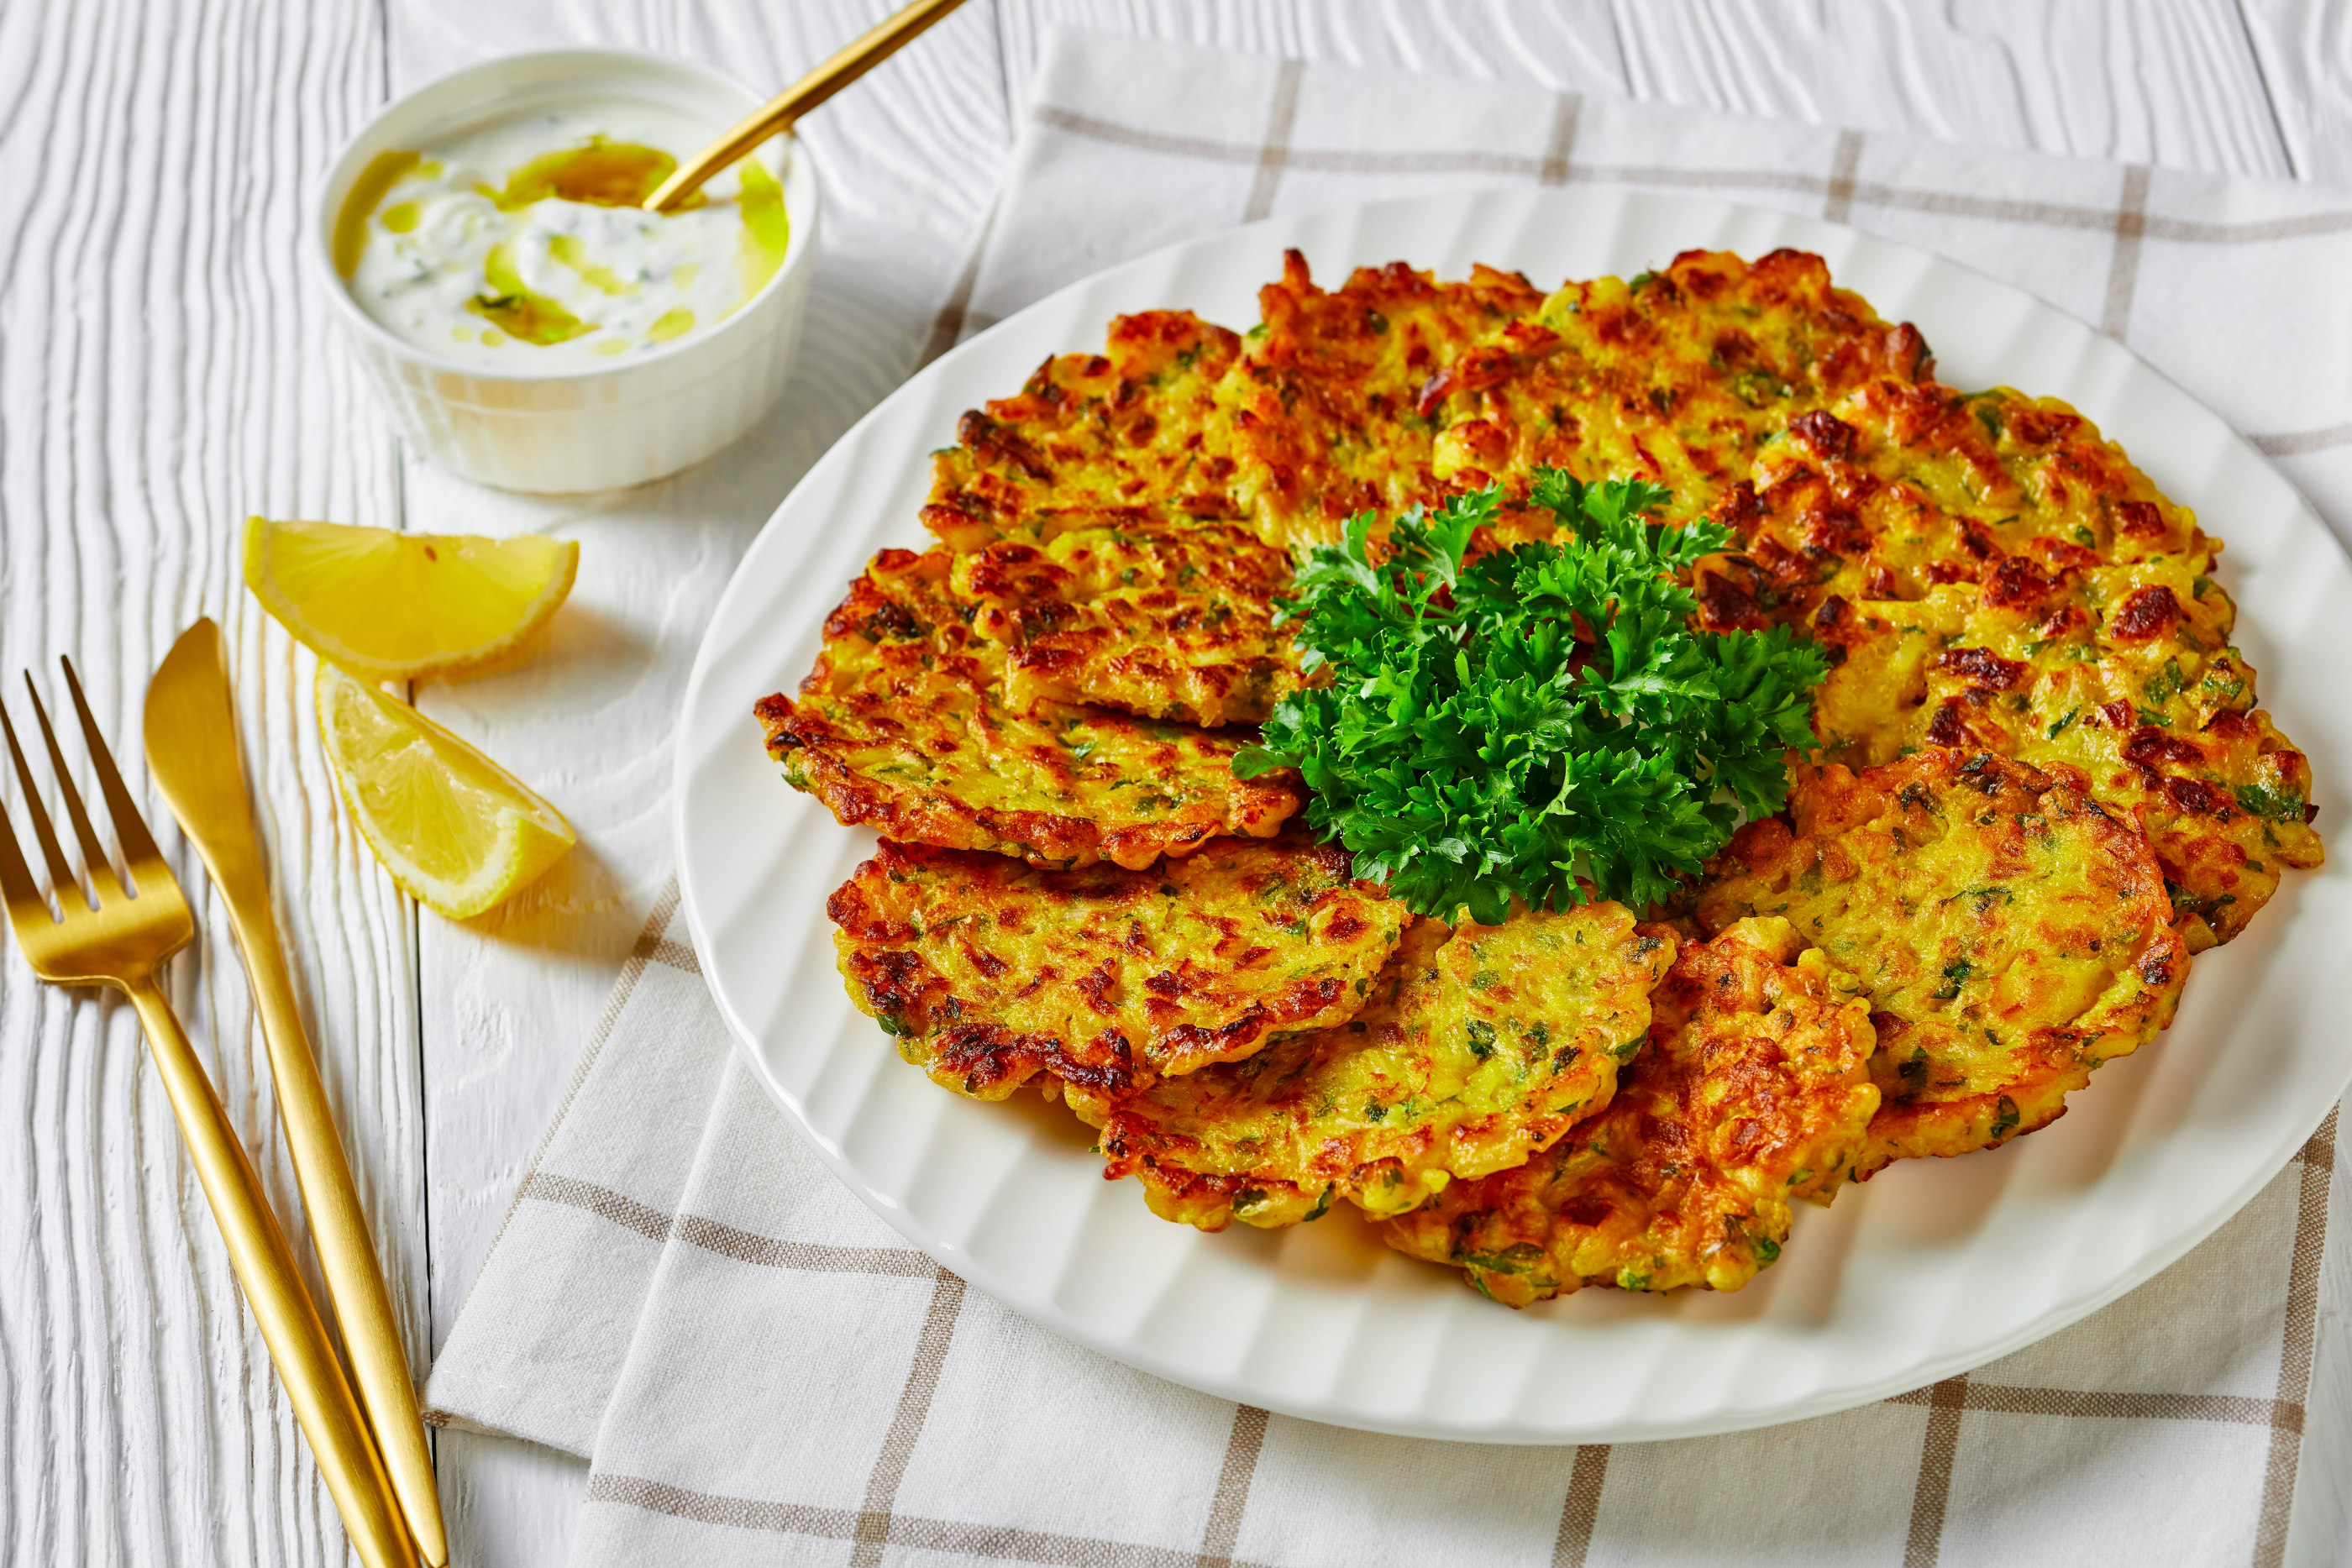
[{"x": 193, "y": 760}]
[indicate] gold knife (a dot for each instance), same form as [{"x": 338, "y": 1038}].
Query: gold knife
[{"x": 192, "y": 758}]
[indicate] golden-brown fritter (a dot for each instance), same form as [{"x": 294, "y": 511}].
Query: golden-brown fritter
[
  {"x": 1134, "y": 426},
  {"x": 1477, "y": 1048},
  {"x": 1095, "y": 533},
  {"x": 903, "y": 724},
  {"x": 1168, "y": 619},
  {"x": 1329, "y": 402},
  {"x": 988, "y": 971},
  {"x": 2018, "y": 468},
  {"x": 2012, "y": 936},
  {"x": 1815, "y": 525},
  {"x": 1676, "y": 376},
  {"x": 2125, "y": 673},
  {"x": 1776, "y": 329},
  {"x": 1905, "y": 487},
  {"x": 1754, "y": 1089}
]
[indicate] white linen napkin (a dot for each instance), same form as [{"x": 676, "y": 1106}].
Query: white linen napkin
[{"x": 759, "y": 1370}]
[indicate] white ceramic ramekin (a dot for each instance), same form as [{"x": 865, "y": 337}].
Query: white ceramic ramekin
[{"x": 575, "y": 428}]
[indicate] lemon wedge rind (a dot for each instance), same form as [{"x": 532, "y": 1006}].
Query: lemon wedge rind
[
  {"x": 391, "y": 606},
  {"x": 457, "y": 833}
]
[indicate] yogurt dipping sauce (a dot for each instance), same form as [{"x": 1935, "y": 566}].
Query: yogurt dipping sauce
[{"x": 520, "y": 245}]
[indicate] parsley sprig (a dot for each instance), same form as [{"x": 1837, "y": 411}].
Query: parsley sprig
[{"x": 1544, "y": 714}]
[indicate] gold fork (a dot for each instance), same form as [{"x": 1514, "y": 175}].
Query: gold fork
[{"x": 110, "y": 936}]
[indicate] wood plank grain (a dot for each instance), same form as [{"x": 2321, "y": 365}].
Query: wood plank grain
[
  {"x": 1570, "y": 45},
  {"x": 159, "y": 381},
  {"x": 2305, "y": 50}
]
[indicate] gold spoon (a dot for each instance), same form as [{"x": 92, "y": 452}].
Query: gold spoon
[{"x": 779, "y": 113}]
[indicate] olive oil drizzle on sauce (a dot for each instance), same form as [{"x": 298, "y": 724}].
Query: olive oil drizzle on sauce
[{"x": 599, "y": 173}]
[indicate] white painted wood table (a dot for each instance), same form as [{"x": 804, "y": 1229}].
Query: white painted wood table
[{"x": 164, "y": 372}]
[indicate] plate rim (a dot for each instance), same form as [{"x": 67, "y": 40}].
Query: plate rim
[{"x": 2067, "y": 1311}]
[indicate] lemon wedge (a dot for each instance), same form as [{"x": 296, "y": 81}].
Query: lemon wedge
[
  {"x": 456, "y": 831},
  {"x": 404, "y": 606}
]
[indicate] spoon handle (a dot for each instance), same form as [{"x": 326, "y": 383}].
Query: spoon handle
[{"x": 779, "y": 112}]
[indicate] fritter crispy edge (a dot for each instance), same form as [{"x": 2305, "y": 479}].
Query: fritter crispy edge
[
  {"x": 2013, "y": 935},
  {"x": 903, "y": 725},
  {"x": 1753, "y": 1090},
  {"x": 1330, "y": 403},
  {"x": 987, "y": 972},
  {"x": 2124, "y": 672},
  {"x": 1477, "y": 1048}
]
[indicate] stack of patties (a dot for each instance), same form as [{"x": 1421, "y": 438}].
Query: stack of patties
[
  {"x": 1254, "y": 1032},
  {"x": 2044, "y": 781}
]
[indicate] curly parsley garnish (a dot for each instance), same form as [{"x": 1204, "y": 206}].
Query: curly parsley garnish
[{"x": 1541, "y": 715}]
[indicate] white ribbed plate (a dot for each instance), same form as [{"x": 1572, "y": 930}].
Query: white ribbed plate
[{"x": 1935, "y": 1267}]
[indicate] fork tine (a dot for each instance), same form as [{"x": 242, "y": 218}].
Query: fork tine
[
  {"x": 61, "y": 875},
  {"x": 22, "y": 893},
  {"x": 101, "y": 870},
  {"x": 129, "y": 827}
]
